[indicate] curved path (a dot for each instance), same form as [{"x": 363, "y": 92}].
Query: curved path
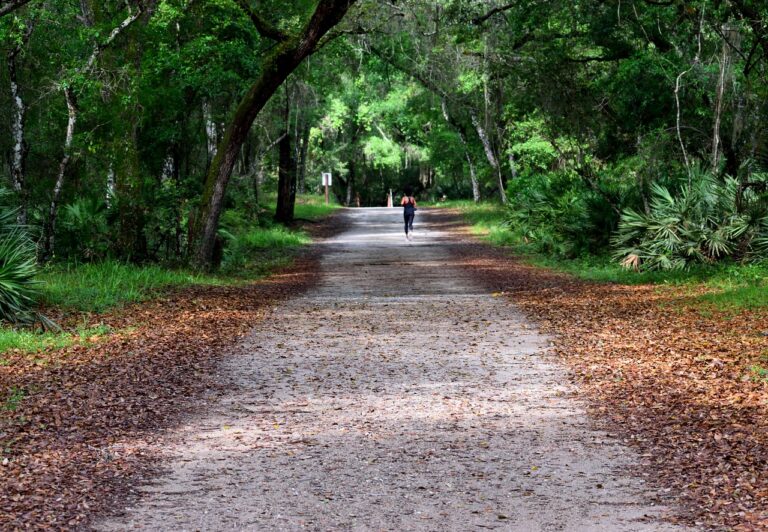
[{"x": 397, "y": 395}]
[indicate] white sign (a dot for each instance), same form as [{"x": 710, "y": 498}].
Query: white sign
[{"x": 326, "y": 179}]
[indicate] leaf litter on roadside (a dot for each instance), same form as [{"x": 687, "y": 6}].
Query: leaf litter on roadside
[
  {"x": 668, "y": 379},
  {"x": 77, "y": 439}
]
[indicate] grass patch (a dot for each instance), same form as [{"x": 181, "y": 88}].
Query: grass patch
[
  {"x": 736, "y": 298},
  {"x": 311, "y": 207},
  {"x": 101, "y": 286},
  {"x": 307, "y": 207},
  {"x": 276, "y": 237},
  {"x": 758, "y": 373},
  {"x": 27, "y": 341},
  {"x": 261, "y": 250}
]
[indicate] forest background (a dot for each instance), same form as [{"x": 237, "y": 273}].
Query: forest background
[{"x": 185, "y": 133}]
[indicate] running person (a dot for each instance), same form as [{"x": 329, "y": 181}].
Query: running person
[{"x": 409, "y": 211}]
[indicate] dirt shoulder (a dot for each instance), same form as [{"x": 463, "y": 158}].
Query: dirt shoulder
[
  {"x": 663, "y": 377},
  {"x": 79, "y": 440}
]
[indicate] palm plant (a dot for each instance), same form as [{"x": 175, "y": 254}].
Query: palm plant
[
  {"x": 702, "y": 224},
  {"x": 18, "y": 269},
  {"x": 84, "y": 228}
]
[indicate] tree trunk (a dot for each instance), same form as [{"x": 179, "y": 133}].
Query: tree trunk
[
  {"x": 211, "y": 135},
  {"x": 286, "y": 180},
  {"x": 463, "y": 138},
  {"x": 473, "y": 177},
  {"x": 111, "y": 184},
  {"x": 20, "y": 147},
  {"x": 512, "y": 166},
  {"x": 722, "y": 80},
  {"x": 303, "y": 152},
  {"x": 258, "y": 178},
  {"x": 350, "y": 183},
  {"x": 490, "y": 154},
  {"x": 49, "y": 229},
  {"x": 277, "y": 66}
]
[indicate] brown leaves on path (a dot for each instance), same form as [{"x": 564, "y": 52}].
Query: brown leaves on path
[
  {"x": 670, "y": 381},
  {"x": 77, "y": 438}
]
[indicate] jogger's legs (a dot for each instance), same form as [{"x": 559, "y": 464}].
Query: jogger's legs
[{"x": 408, "y": 222}]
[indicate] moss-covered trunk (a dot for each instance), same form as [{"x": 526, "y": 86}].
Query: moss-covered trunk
[{"x": 276, "y": 68}]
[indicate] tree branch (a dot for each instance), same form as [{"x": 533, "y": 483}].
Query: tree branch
[
  {"x": 271, "y": 145},
  {"x": 98, "y": 48},
  {"x": 666, "y": 3},
  {"x": 479, "y": 20},
  {"x": 603, "y": 59},
  {"x": 6, "y": 6},
  {"x": 262, "y": 25},
  {"x": 429, "y": 85}
]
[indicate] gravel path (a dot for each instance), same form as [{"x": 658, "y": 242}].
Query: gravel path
[{"x": 396, "y": 395}]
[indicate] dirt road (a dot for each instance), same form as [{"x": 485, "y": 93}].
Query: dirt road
[{"x": 397, "y": 395}]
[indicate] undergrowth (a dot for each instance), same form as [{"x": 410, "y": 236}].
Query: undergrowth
[
  {"x": 734, "y": 286},
  {"x": 253, "y": 249}
]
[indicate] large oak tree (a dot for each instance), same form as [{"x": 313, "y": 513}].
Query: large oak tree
[{"x": 291, "y": 48}]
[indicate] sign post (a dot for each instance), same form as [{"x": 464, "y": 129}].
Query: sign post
[{"x": 326, "y": 184}]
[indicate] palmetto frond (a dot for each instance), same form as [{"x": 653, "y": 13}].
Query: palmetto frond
[{"x": 701, "y": 223}]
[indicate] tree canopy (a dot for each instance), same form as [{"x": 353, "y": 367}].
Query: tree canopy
[{"x": 129, "y": 128}]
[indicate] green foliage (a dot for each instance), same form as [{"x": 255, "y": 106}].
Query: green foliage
[
  {"x": 705, "y": 222},
  {"x": 579, "y": 95},
  {"x": 18, "y": 271},
  {"x": 532, "y": 151},
  {"x": 383, "y": 153},
  {"x": 549, "y": 212},
  {"x": 84, "y": 229},
  {"x": 260, "y": 250},
  {"x": 558, "y": 213}
]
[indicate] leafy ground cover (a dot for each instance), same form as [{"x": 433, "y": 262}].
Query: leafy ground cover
[
  {"x": 73, "y": 417},
  {"x": 687, "y": 388}
]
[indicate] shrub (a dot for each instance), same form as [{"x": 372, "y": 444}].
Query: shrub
[
  {"x": 556, "y": 214},
  {"x": 84, "y": 229}
]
